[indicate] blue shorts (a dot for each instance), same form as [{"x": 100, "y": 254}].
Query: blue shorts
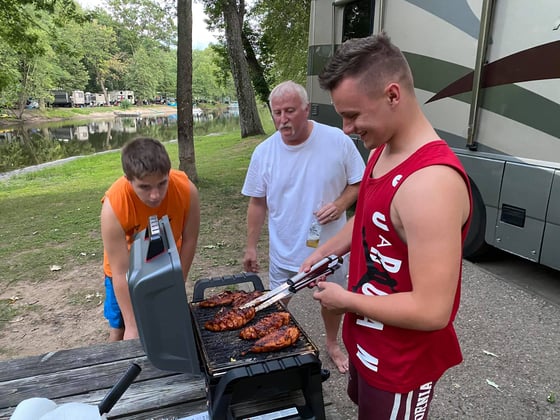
[{"x": 111, "y": 308}]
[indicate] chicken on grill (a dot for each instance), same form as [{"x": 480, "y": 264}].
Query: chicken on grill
[
  {"x": 265, "y": 326},
  {"x": 229, "y": 298},
  {"x": 243, "y": 297},
  {"x": 232, "y": 319},
  {"x": 221, "y": 299},
  {"x": 276, "y": 340}
]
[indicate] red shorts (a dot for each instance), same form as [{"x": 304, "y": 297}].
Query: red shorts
[{"x": 377, "y": 404}]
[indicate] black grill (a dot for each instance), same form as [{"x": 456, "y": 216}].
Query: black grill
[
  {"x": 256, "y": 383},
  {"x": 174, "y": 338}
]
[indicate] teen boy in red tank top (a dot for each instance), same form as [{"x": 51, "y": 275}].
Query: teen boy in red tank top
[{"x": 411, "y": 218}]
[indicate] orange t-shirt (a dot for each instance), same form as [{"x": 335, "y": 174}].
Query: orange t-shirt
[{"x": 133, "y": 214}]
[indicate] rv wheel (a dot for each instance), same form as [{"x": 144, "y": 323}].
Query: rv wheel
[{"x": 475, "y": 244}]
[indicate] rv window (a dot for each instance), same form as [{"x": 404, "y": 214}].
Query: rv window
[{"x": 358, "y": 19}]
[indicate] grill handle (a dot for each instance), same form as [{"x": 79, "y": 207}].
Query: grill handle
[
  {"x": 119, "y": 388},
  {"x": 203, "y": 284}
]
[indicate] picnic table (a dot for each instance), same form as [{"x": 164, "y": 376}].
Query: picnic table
[{"x": 87, "y": 374}]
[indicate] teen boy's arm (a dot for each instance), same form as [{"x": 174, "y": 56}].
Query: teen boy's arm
[
  {"x": 114, "y": 242},
  {"x": 190, "y": 231}
]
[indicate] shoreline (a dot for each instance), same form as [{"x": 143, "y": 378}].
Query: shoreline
[{"x": 35, "y": 116}]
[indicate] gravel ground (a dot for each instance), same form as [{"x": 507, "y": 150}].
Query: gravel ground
[{"x": 511, "y": 349}]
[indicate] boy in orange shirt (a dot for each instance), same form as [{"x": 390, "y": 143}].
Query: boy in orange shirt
[{"x": 149, "y": 187}]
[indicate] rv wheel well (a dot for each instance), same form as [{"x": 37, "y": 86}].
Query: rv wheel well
[{"x": 475, "y": 245}]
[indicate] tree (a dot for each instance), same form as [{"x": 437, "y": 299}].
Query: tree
[
  {"x": 140, "y": 20},
  {"x": 145, "y": 34},
  {"x": 185, "y": 136},
  {"x": 101, "y": 44},
  {"x": 283, "y": 44},
  {"x": 28, "y": 37},
  {"x": 232, "y": 13},
  {"x": 143, "y": 73},
  {"x": 209, "y": 82},
  {"x": 66, "y": 42}
]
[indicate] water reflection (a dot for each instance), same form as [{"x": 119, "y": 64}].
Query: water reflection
[{"x": 28, "y": 145}]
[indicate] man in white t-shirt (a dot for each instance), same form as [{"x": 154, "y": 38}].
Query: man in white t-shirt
[{"x": 305, "y": 174}]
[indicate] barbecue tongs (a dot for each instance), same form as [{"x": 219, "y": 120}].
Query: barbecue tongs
[{"x": 325, "y": 267}]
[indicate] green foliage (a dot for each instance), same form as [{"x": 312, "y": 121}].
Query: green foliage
[
  {"x": 125, "y": 104},
  {"x": 46, "y": 45},
  {"x": 139, "y": 20},
  {"x": 143, "y": 72},
  {"x": 284, "y": 28},
  {"x": 209, "y": 81}
]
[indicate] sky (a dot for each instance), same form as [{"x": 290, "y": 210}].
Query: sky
[{"x": 201, "y": 36}]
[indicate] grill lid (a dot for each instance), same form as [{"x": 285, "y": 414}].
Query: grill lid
[{"x": 159, "y": 300}]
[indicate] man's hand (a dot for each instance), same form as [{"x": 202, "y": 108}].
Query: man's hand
[
  {"x": 328, "y": 213},
  {"x": 250, "y": 263}
]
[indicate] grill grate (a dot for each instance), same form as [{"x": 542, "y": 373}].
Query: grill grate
[{"x": 223, "y": 350}]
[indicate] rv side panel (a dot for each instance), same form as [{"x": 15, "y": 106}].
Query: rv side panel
[{"x": 498, "y": 91}]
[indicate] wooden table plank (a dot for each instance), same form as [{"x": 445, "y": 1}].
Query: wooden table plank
[
  {"x": 69, "y": 359},
  {"x": 144, "y": 399},
  {"x": 73, "y": 381}
]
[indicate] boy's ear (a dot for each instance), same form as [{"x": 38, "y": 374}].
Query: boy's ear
[{"x": 393, "y": 93}]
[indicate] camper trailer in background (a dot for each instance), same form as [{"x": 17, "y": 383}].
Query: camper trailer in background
[
  {"x": 486, "y": 78},
  {"x": 118, "y": 96},
  {"x": 99, "y": 99},
  {"x": 62, "y": 98},
  {"x": 78, "y": 98}
]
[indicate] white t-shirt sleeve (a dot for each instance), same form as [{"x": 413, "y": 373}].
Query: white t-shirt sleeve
[
  {"x": 254, "y": 185},
  {"x": 354, "y": 162}
]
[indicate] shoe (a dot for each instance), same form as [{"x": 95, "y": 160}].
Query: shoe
[{"x": 325, "y": 374}]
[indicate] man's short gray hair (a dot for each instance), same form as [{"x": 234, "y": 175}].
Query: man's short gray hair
[{"x": 290, "y": 87}]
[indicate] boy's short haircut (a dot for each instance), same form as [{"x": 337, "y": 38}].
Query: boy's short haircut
[{"x": 144, "y": 156}]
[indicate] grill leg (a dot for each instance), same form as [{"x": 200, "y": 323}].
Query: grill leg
[{"x": 313, "y": 393}]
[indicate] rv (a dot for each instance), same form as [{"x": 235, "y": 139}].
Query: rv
[
  {"x": 118, "y": 96},
  {"x": 64, "y": 99},
  {"x": 78, "y": 98},
  {"x": 487, "y": 74},
  {"x": 99, "y": 99},
  {"x": 61, "y": 98}
]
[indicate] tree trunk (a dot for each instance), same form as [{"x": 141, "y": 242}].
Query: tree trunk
[
  {"x": 257, "y": 72},
  {"x": 248, "y": 112},
  {"x": 185, "y": 137}
]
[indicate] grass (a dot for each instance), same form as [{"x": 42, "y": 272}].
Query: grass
[{"x": 50, "y": 217}]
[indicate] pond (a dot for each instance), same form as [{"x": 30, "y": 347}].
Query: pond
[{"x": 28, "y": 145}]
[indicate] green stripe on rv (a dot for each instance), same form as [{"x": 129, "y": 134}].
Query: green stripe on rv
[
  {"x": 510, "y": 101},
  {"x": 433, "y": 75}
]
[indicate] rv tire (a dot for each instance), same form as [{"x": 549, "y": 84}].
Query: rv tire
[{"x": 475, "y": 245}]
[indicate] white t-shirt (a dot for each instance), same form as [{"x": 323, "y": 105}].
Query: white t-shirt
[{"x": 297, "y": 181}]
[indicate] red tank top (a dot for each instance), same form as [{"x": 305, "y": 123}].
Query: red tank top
[
  {"x": 133, "y": 214},
  {"x": 390, "y": 358}
]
